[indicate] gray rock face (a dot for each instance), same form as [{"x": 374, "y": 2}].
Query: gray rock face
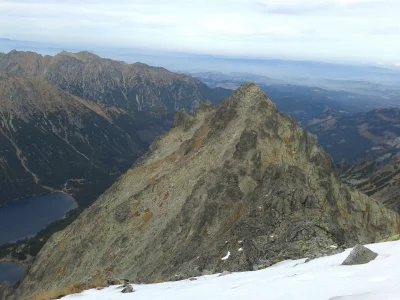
[
  {"x": 359, "y": 255},
  {"x": 128, "y": 289},
  {"x": 6, "y": 290},
  {"x": 242, "y": 176}
]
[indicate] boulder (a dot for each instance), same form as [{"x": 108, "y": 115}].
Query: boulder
[
  {"x": 359, "y": 255},
  {"x": 128, "y": 289}
]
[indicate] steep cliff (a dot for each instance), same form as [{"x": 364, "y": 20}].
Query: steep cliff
[{"x": 233, "y": 188}]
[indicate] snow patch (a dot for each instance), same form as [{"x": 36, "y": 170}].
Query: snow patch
[
  {"x": 226, "y": 256},
  {"x": 320, "y": 278}
]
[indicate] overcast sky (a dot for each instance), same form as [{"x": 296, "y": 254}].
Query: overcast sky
[{"x": 331, "y": 30}]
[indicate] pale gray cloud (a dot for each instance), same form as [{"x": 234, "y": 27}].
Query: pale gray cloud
[{"x": 342, "y": 30}]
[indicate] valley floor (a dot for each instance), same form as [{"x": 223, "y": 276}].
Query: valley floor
[{"x": 319, "y": 279}]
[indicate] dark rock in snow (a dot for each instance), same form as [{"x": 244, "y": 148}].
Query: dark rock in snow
[
  {"x": 359, "y": 255},
  {"x": 128, "y": 289}
]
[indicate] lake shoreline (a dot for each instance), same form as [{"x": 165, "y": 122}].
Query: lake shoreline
[
  {"x": 51, "y": 191},
  {"x": 28, "y": 216},
  {"x": 25, "y": 263},
  {"x": 11, "y": 272}
]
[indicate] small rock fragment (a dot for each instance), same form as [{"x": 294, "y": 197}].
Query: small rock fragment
[{"x": 224, "y": 273}]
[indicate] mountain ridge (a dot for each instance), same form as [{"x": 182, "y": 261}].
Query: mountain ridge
[
  {"x": 241, "y": 175},
  {"x": 133, "y": 87}
]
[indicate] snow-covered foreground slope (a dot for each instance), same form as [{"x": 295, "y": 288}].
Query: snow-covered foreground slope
[{"x": 319, "y": 279}]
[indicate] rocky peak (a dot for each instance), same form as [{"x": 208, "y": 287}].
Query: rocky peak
[
  {"x": 83, "y": 55},
  {"x": 248, "y": 96},
  {"x": 242, "y": 187},
  {"x": 245, "y": 104}
]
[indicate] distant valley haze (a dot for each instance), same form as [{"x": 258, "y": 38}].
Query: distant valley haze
[
  {"x": 297, "y": 42},
  {"x": 338, "y": 31}
]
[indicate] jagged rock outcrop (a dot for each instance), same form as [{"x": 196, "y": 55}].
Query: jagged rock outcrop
[
  {"x": 243, "y": 185},
  {"x": 133, "y": 87},
  {"x": 51, "y": 140}
]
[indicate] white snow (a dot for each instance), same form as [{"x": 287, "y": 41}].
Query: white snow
[
  {"x": 226, "y": 256},
  {"x": 319, "y": 279}
]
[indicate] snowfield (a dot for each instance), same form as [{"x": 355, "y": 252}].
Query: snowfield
[{"x": 319, "y": 279}]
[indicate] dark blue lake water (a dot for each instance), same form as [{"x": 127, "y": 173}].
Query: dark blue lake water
[
  {"x": 11, "y": 272},
  {"x": 26, "y": 217}
]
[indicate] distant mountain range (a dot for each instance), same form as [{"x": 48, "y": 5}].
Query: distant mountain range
[
  {"x": 306, "y": 101},
  {"x": 134, "y": 87},
  {"x": 322, "y": 74},
  {"x": 75, "y": 122},
  {"x": 368, "y": 135}
]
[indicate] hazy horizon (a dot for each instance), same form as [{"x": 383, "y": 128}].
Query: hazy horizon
[
  {"x": 335, "y": 31},
  {"x": 45, "y": 48}
]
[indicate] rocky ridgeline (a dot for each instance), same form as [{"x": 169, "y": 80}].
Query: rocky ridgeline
[
  {"x": 233, "y": 188},
  {"x": 133, "y": 87}
]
